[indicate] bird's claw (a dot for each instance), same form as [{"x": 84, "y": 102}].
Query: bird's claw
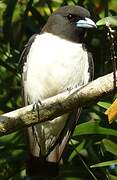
[
  {"x": 75, "y": 86},
  {"x": 69, "y": 89},
  {"x": 36, "y": 106}
]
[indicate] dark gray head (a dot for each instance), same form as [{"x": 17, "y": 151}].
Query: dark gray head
[{"x": 69, "y": 22}]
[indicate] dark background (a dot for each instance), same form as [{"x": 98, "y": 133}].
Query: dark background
[{"x": 94, "y": 140}]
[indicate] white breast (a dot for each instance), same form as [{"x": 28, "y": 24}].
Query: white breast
[{"x": 54, "y": 64}]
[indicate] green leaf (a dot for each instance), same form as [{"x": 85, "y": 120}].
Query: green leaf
[
  {"x": 106, "y": 163},
  {"x": 93, "y": 127},
  {"x": 76, "y": 150},
  {"x": 112, "y": 20},
  {"x": 112, "y": 177},
  {"x": 110, "y": 146},
  {"x": 103, "y": 104}
]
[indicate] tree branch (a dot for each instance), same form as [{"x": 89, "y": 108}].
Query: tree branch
[{"x": 57, "y": 105}]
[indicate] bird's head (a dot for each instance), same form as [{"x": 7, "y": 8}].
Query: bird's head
[{"x": 69, "y": 22}]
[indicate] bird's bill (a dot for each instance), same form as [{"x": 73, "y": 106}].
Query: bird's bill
[{"x": 85, "y": 23}]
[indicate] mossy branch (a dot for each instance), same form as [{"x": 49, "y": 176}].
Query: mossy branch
[{"x": 57, "y": 105}]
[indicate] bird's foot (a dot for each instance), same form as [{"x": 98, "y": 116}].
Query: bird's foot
[
  {"x": 36, "y": 106},
  {"x": 69, "y": 89}
]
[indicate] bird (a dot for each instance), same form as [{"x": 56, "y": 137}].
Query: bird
[{"x": 54, "y": 61}]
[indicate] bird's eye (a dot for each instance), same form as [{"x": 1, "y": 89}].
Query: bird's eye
[{"x": 72, "y": 18}]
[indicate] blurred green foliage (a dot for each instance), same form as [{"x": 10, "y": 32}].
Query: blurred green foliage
[{"x": 94, "y": 141}]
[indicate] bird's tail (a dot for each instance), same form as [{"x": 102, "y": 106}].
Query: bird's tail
[{"x": 48, "y": 166}]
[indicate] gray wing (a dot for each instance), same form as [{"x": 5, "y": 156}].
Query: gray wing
[
  {"x": 91, "y": 66},
  {"x": 25, "y": 52},
  {"x": 23, "y": 66}
]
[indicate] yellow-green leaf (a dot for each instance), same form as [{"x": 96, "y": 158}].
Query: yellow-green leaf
[{"x": 112, "y": 20}]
